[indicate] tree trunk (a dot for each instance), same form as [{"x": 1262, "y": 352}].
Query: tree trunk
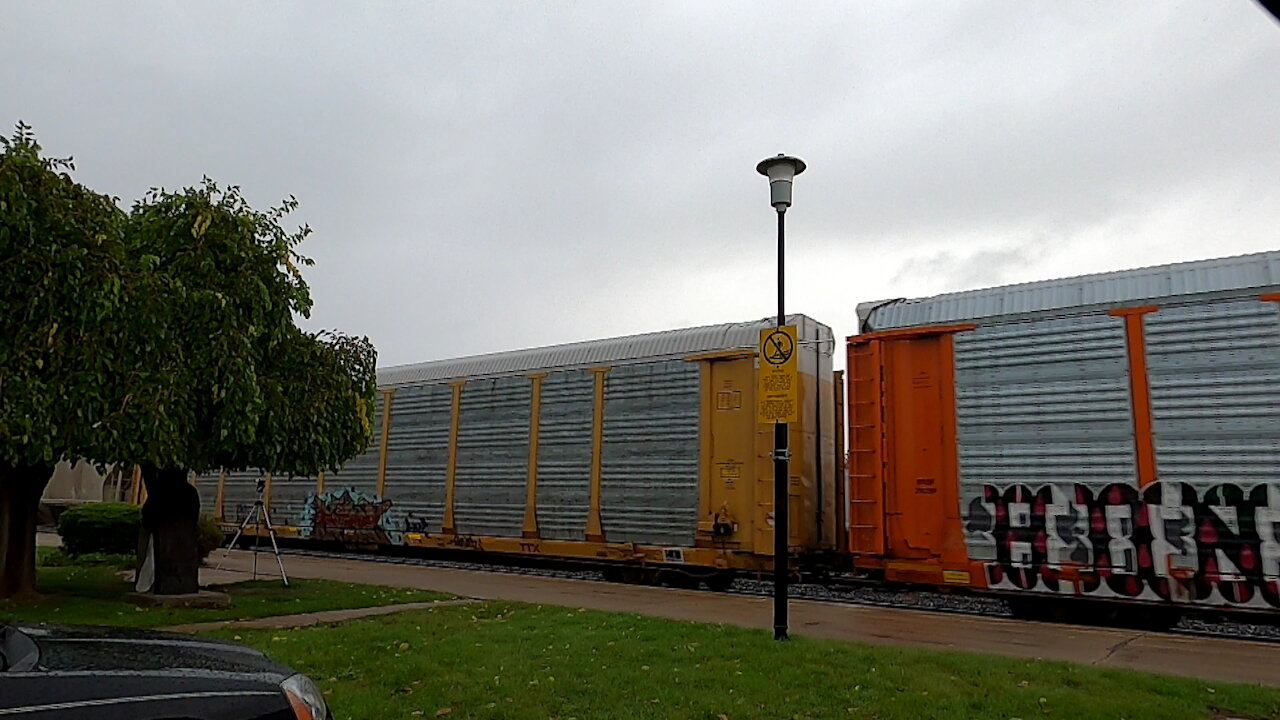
[
  {"x": 20, "y": 491},
  {"x": 171, "y": 514}
]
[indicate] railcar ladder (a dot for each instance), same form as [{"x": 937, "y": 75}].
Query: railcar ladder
[{"x": 866, "y": 447}]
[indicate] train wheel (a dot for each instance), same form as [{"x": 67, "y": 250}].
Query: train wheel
[
  {"x": 678, "y": 579},
  {"x": 634, "y": 575},
  {"x": 1051, "y": 610},
  {"x": 719, "y": 582},
  {"x": 1123, "y": 615},
  {"x": 1026, "y": 608},
  {"x": 1143, "y": 617},
  {"x": 1084, "y": 612}
]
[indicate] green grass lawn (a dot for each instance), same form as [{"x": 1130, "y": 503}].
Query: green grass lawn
[
  {"x": 510, "y": 660},
  {"x": 95, "y": 595}
]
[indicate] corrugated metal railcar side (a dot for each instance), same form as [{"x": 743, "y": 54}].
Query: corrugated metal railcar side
[
  {"x": 1112, "y": 436},
  {"x": 638, "y": 449}
]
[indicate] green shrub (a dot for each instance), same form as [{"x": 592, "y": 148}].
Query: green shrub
[
  {"x": 208, "y": 536},
  {"x": 57, "y": 557},
  {"x": 112, "y": 529},
  {"x": 101, "y": 528}
]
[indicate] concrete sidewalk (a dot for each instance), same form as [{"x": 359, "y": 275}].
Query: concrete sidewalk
[
  {"x": 1208, "y": 658},
  {"x": 317, "y": 618}
]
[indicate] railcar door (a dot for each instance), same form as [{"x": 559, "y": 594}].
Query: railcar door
[
  {"x": 920, "y": 503},
  {"x": 729, "y": 511},
  {"x": 902, "y": 454}
]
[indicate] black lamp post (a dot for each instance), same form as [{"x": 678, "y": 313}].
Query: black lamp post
[{"x": 780, "y": 170}]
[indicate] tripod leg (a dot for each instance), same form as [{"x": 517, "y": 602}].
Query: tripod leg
[
  {"x": 271, "y": 533},
  {"x": 257, "y": 535},
  {"x": 234, "y": 539}
]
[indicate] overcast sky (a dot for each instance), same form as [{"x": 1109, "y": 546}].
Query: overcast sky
[{"x": 489, "y": 176}]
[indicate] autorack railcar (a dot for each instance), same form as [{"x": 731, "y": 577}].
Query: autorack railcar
[
  {"x": 1108, "y": 437},
  {"x": 641, "y": 453}
]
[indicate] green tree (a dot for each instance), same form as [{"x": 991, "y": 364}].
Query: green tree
[
  {"x": 61, "y": 257},
  {"x": 165, "y": 337},
  {"x": 224, "y": 378},
  {"x": 319, "y": 391}
]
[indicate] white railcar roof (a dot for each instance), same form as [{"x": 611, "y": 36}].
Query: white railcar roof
[
  {"x": 669, "y": 344},
  {"x": 1162, "y": 282}
]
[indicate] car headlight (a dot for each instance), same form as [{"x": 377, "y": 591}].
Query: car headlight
[{"x": 305, "y": 698}]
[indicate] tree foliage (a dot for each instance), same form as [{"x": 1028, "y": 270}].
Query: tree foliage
[
  {"x": 62, "y": 258},
  {"x": 217, "y": 373},
  {"x": 221, "y": 290},
  {"x": 318, "y": 395}
]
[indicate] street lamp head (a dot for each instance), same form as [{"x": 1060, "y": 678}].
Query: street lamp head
[{"x": 780, "y": 171}]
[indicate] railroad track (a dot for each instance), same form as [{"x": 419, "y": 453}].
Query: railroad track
[{"x": 838, "y": 591}]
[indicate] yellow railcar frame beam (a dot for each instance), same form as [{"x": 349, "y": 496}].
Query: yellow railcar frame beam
[
  {"x": 136, "y": 496},
  {"x": 451, "y": 468},
  {"x": 220, "y": 497},
  {"x": 706, "y": 400},
  {"x": 694, "y": 558},
  {"x": 595, "y": 529},
  {"x": 530, "y": 527},
  {"x": 386, "y": 437}
]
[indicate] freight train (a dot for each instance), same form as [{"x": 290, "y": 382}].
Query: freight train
[{"x": 1089, "y": 444}]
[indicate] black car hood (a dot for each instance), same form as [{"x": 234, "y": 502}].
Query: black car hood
[
  {"x": 93, "y": 649},
  {"x": 113, "y": 672}
]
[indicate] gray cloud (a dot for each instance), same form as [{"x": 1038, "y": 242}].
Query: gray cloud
[
  {"x": 487, "y": 175},
  {"x": 981, "y": 268}
]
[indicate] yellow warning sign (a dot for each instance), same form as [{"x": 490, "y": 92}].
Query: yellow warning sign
[{"x": 778, "y": 389}]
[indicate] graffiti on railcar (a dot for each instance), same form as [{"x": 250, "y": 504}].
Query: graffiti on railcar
[
  {"x": 414, "y": 523},
  {"x": 470, "y": 542},
  {"x": 347, "y": 515},
  {"x": 1167, "y": 539}
]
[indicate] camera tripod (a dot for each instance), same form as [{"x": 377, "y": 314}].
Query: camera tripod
[{"x": 259, "y": 516}]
